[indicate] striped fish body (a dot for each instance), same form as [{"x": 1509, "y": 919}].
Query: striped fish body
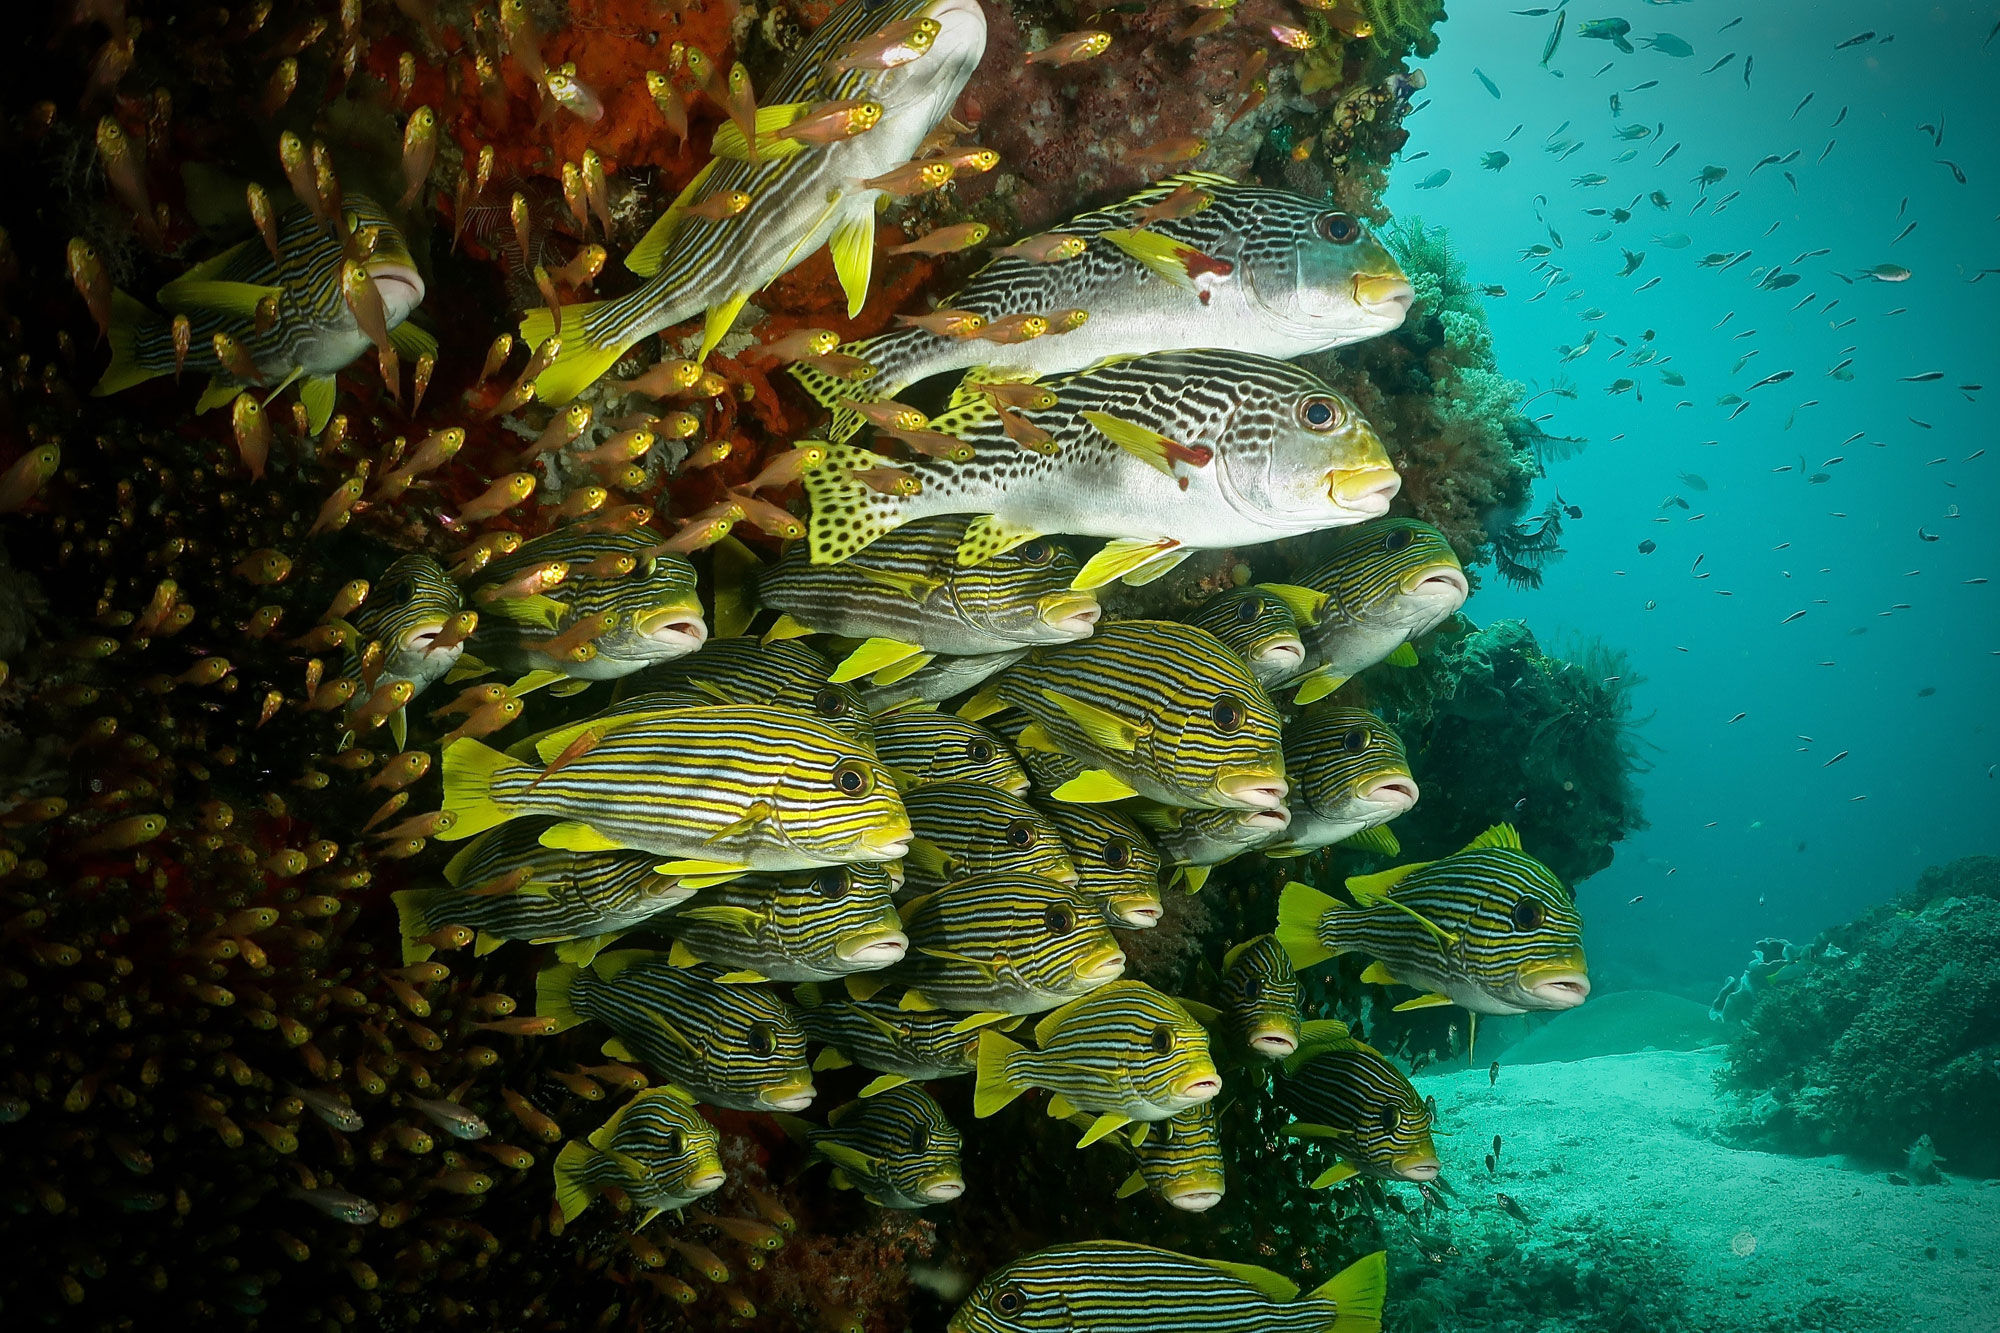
[
  {"x": 567, "y": 895},
  {"x": 1123, "y": 1050},
  {"x": 965, "y": 829},
  {"x": 807, "y": 926},
  {"x": 1201, "y": 838},
  {"x": 1258, "y": 627},
  {"x": 659, "y": 618},
  {"x": 656, "y": 1148},
  {"x": 728, "y": 1045},
  {"x": 1180, "y": 1161},
  {"x": 908, "y": 587},
  {"x": 780, "y": 674},
  {"x": 1290, "y": 288},
  {"x": 729, "y": 787},
  {"x": 1384, "y": 584},
  {"x": 1487, "y": 928},
  {"x": 1117, "y": 866},
  {"x": 1014, "y": 944},
  {"x": 925, "y": 745},
  {"x": 1287, "y": 455},
  {"x": 1112, "y": 1286},
  {"x": 897, "y": 1148},
  {"x": 940, "y": 679},
  {"x": 1348, "y": 773},
  {"x": 406, "y": 611},
  {"x": 900, "y": 1044},
  {"x": 315, "y": 334},
  {"x": 798, "y": 201},
  {"x": 1164, "y": 709},
  {"x": 1259, "y": 996},
  {"x": 1354, "y": 1097}
]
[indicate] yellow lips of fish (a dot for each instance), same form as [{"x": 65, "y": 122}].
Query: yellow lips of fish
[
  {"x": 890, "y": 840},
  {"x": 1379, "y": 289},
  {"x": 1419, "y": 1165},
  {"x": 1259, "y": 787},
  {"x": 1444, "y": 571},
  {"x": 792, "y": 1094},
  {"x": 1105, "y": 963},
  {"x": 684, "y": 615},
  {"x": 1565, "y": 980},
  {"x": 1070, "y": 610}
]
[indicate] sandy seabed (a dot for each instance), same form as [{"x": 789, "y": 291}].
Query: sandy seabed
[{"x": 1629, "y": 1141}]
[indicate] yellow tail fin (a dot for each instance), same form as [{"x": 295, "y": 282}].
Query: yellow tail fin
[
  {"x": 574, "y": 1191},
  {"x": 470, "y": 770},
  {"x": 128, "y": 319},
  {"x": 555, "y": 995},
  {"x": 415, "y": 922},
  {"x": 994, "y": 1088},
  {"x": 1300, "y": 908},
  {"x": 846, "y": 514},
  {"x": 580, "y": 363},
  {"x": 1358, "y": 1290}
]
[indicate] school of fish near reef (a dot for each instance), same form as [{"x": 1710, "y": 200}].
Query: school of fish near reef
[{"x": 497, "y": 799}]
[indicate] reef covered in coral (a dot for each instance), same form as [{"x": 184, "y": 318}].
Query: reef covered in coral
[{"x": 1882, "y": 1039}]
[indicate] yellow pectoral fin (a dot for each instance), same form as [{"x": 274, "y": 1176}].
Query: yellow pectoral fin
[
  {"x": 1377, "y": 839},
  {"x": 1132, "y": 561},
  {"x": 785, "y": 627},
  {"x": 1108, "y": 1123},
  {"x": 715, "y": 872},
  {"x": 1102, "y": 727},
  {"x": 215, "y": 395},
  {"x": 729, "y": 141},
  {"x": 828, "y": 1058},
  {"x": 1035, "y": 737},
  {"x": 983, "y": 704},
  {"x": 1431, "y": 1001},
  {"x": 882, "y": 1084},
  {"x": 1093, "y": 786},
  {"x": 864, "y": 986},
  {"x": 872, "y": 656},
  {"x": 1196, "y": 877},
  {"x": 317, "y": 395},
  {"x": 1133, "y": 1184},
  {"x": 758, "y": 814},
  {"x": 973, "y": 1022},
  {"x": 1060, "y": 1109},
  {"x": 916, "y": 587},
  {"x": 915, "y": 1002},
  {"x": 1160, "y": 253},
  {"x": 909, "y": 666},
  {"x": 682, "y": 956},
  {"x": 722, "y": 913},
  {"x": 721, "y": 316},
  {"x": 1142, "y": 442},
  {"x": 1334, "y": 1175},
  {"x": 1403, "y": 656},
  {"x": 1318, "y": 685},
  {"x": 575, "y": 837},
  {"x": 853, "y": 246}
]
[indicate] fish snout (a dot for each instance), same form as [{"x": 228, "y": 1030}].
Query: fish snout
[
  {"x": 1272, "y": 821},
  {"x": 1286, "y": 655},
  {"x": 401, "y": 288},
  {"x": 1386, "y": 294},
  {"x": 1199, "y": 1199},
  {"x": 1396, "y": 790},
  {"x": 941, "y": 1189},
  {"x": 1105, "y": 963},
  {"x": 1262, "y": 789},
  {"x": 1201, "y": 1085},
  {"x": 1136, "y": 913},
  {"x": 1074, "y": 614},
  {"x": 1363, "y": 492},
  {"x": 873, "y": 950},
  {"x": 794, "y": 1094},
  {"x": 1416, "y": 1166},
  {"x": 708, "y": 1179},
  {"x": 1443, "y": 582},
  {"x": 674, "y": 625},
  {"x": 1274, "y": 1042},
  {"x": 1558, "y": 985},
  {"x": 887, "y": 842}
]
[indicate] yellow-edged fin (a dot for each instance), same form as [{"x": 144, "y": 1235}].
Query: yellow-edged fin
[
  {"x": 882, "y": 1084},
  {"x": 538, "y": 679},
  {"x": 711, "y": 872},
  {"x": 916, "y": 587},
  {"x": 1431, "y": 1001},
  {"x": 720, "y": 317},
  {"x": 615, "y": 1048},
  {"x": 973, "y": 1022},
  {"x": 1318, "y": 685},
  {"x": 1132, "y": 1185},
  {"x": 682, "y": 956},
  {"x": 1300, "y": 907},
  {"x": 916, "y": 1002},
  {"x": 584, "y": 951},
  {"x": 1051, "y": 1022},
  {"x": 983, "y": 704},
  {"x": 1093, "y": 786},
  {"x": 994, "y": 1087},
  {"x": 1370, "y": 889},
  {"x": 1377, "y": 839},
  {"x": 317, "y": 395},
  {"x": 742, "y": 976},
  {"x": 1305, "y": 604},
  {"x": 540, "y": 611},
  {"x": 864, "y": 985},
  {"x": 650, "y": 254},
  {"x": 1236, "y": 952},
  {"x": 1500, "y": 835},
  {"x": 580, "y": 363},
  {"x": 1036, "y": 737},
  {"x": 1161, "y": 253},
  {"x": 1377, "y": 974},
  {"x": 909, "y": 666},
  {"x": 735, "y": 600},
  {"x": 1143, "y": 443},
  {"x": 412, "y": 342},
  {"x": 1275, "y": 1285},
  {"x": 853, "y": 1160},
  {"x": 1195, "y": 878},
  {"x": 829, "y": 1058},
  {"x": 215, "y": 395},
  {"x": 1204, "y": 1014},
  {"x": 1104, "y": 729},
  {"x": 729, "y": 142},
  {"x": 928, "y": 857},
  {"x": 759, "y": 813},
  {"x": 1402, "y": 656},
  {"x": 988, "y": 536},
  {"x": 723, "y": 914},
  {"x": 1333, "y": 1175},
  {"x": 853, "y": 246},
  {"x": 872, "y": 656},
  {"x": 1131, "y": 560},
  {"x": 236, "y": 299},
  {"x": 787, "y": 627},
  {"x": 1358, "y": 1292}
]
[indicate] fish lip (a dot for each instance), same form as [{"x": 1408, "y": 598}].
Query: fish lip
[
  {"x": 1439, "y": 580},
  {"x": 1563, "y": 988},
  {"x": 1398, "y": 791},
  {"x": 1201, "y": 1089},
  {"x": 887, "y": 947},
  {"x": 1139, "y": 916},
  {"x": 788, "y": 1097},
  {"x": 1107, "y": 967},
  {"x": 1286, "y": 648},
  {"x": 672, "y": 625},
  {"x": 1279, "y": 818},
  {"x": 401, "y": 288},
  {"x": 1383, "y": 293},
  {"x": 708, "y": 1181},
  {"x": 943, "y": 1190},
  {"x": 1422, "y": 1169},
  {"x": 1070, "y": 613},
  {"x": 1273, "y": 1043},
  {"x": 1364, "y": 492},
  {"x": 1254, "y": 791},
  {"x": 1195, "y": 1201}
]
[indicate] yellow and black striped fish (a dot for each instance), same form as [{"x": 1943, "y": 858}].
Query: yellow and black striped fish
[
  {"x": 781, "y": 674},
  {"x": 1350, "y": 1095},
  {"x": 897, "y": 1148},
  {"x": 1114, "y": 1286},
  {"x": 1488, "y": 928},
  {"x": 656, "y": 1149},
  {"x": 1155, "y": 709},
  {"x": 656, "y": 616},
  {"x": 963, "y": 829},
  {"x": 1259, "y": 998},
  {"x": 1380, "y": 585},
  {"x": 1195, "y": 842},
  {"x": 1259, "y": 627},
  {"x": 924, "y": 745},
  {"x": 581, "y": 900},
  {"x": 728, "y": 1045},
  {"x": 717, "y": 791},
  {"x": 1180, "y": 1159},
  {"x": 408, "y": 610},
  {"x": 910, "y": 600},
  {"x": 806, "y": 926},
  {"x": 1349, "y": 776},
  {"x": 801, "y": 196},
  {"x": 1009, "y": 944},
  {"x": 315, "y": 333},
  {"x": 1122, "y": 1053},
  {"x": 1117, "y": 867},
  {"x": 901, "y": 1045}
]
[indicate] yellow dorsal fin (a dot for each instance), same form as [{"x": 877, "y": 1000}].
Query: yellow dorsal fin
[
  {"x": 916, "y": 587},
  {"x": 1500, "y": 835},
  {"x": 1054, "y": 1019},
  {"x": 1370, "y": 889}
]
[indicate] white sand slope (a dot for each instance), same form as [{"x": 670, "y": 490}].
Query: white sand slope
[{"x": 1627, "y": 1140}]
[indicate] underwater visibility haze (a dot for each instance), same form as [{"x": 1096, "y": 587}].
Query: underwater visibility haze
[{"x": 1003, "y": 666}]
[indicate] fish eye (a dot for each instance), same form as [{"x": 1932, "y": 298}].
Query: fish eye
[
  {"x": 920, "y": 1139},
  {"x": 1247, "y": 609},
  {"x": 1528, "y": 914},
  {"x": 1253, "y": 988},
  {"x": 1020, "y": 835},
  {"x": 1163, "y": 1040},
  {"x": 1355, "y": 741},
  {"x": 1389, "y": 1120},
  {"x": 1322, "y": 413},
  {"x": 1398, "y": 539},
  {"x": 1339, "y": 228},
  {"x": 1228, "y": 713},
  {"x": 852, "y": 776},
  {"x": 1058, "y": 920},
  {"x": 1009, "y": 1300},
  {"x": 830, "y": 702},
  {"x": 979, "y": 751},
  {"x": 676, "y": 1144},
  {"x": 1117, "y": 853},
  {"x": 831, "y": 883},
  {"x": 763, "y": 1041},
  {"x": 1037, "y": 552}
]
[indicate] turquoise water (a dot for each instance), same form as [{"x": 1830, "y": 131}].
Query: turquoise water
[{"x": 1752, "y": 832}]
